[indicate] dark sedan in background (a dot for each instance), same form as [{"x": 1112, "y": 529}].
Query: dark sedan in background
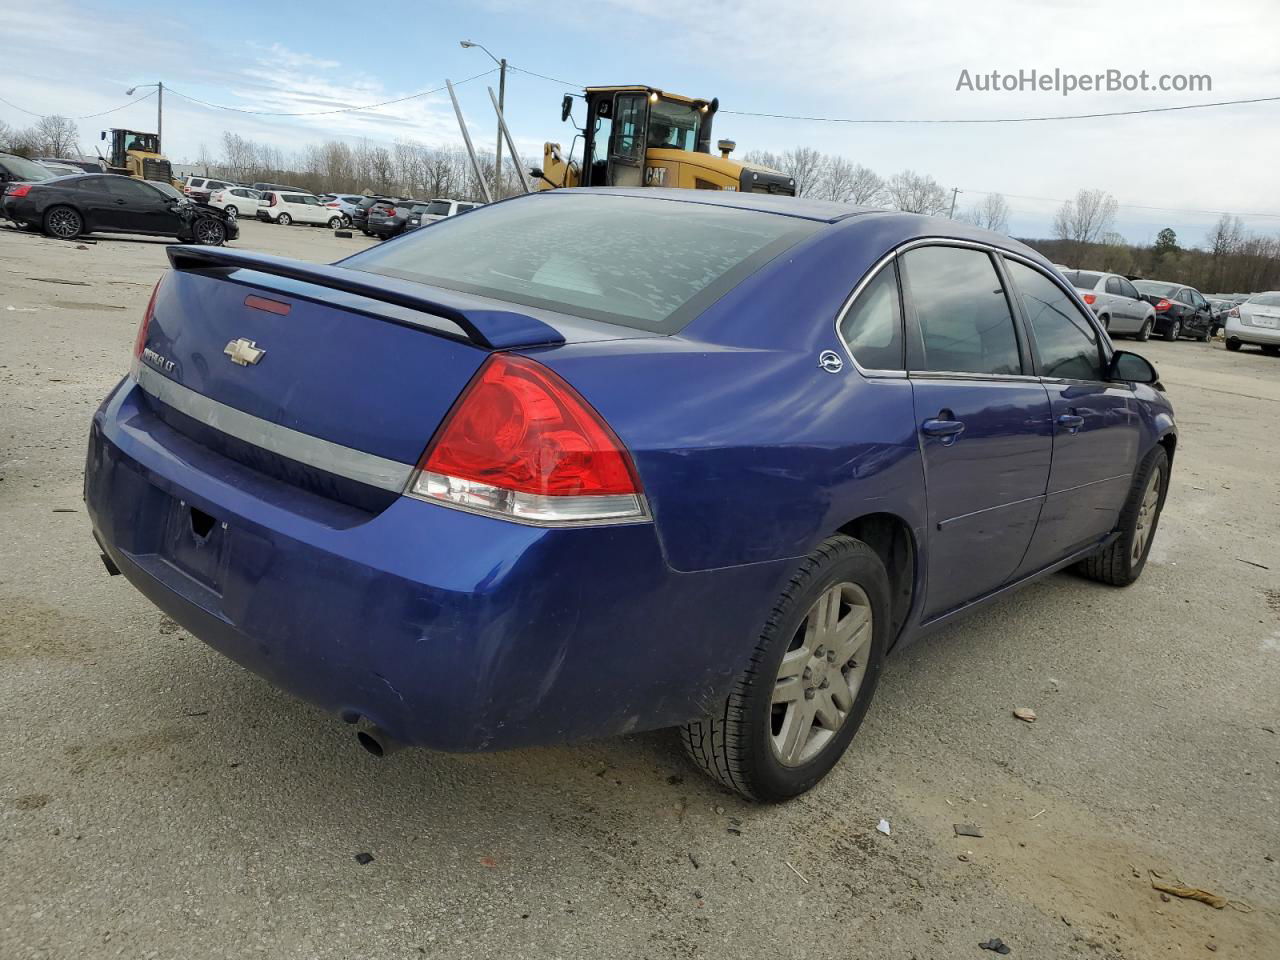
[
  {"x": 389, "y": 218},
  {"x": 66, "y": 207},
  {"x": 1181, "y": 311}
]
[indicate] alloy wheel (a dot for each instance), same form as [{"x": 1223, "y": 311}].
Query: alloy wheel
[
  {"x": 64, "y": 223},
  {"x": 820, "y": 674},
  {"x": 209, "y": 232},
  {"x": 231, "y": 212},
  {"x": 1146, "y": 516}
]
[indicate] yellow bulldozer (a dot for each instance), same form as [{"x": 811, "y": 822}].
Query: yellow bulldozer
[
  {"x": 137, "y": 154},
  {"x": 641, "y": 136}
]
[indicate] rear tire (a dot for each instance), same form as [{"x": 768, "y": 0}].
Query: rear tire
[
  {"x": 1121, "y": 563},
  {"x": 796, "y": 707},
  {"x": 1234, "y": 345},
  {"x": 284, "y": 219},
  {"x": 231, "y": 211},
  {"x": 63, "y": 223},
  {"x": 1271, "y": 350},
  {"x": 1106, "y": 322},
  {"x": 335, "y": 223},
  {"x": 1144, "y": 334},
  {"x": 1174, "y": 331}
]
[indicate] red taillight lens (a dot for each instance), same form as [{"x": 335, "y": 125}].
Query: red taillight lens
[
  {"x": 1163, "y": 305},
  {"x": 1233, "y": 312},
  {"x": 1089, "y": 298},
  {"x": 332, "y": 205},
  {"x": 140, "y": 341},
  {"x": 272, "y": 201},
  {"x": 521, "y": 443},
  {"x": 20, "y": 191}
]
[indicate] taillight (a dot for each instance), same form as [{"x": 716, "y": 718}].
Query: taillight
[
  {"x": 1163, "y": 305},
  {"x": 21, "y": 190},
  {"x": 140, "y": 341},
  {"x": 332, "y": 205},
  {"x": 272, "y": 201},
  {"x": 1089, "y": 298},
  {"x": 1233, "y": 312},
  {"x": 522, "y": 444}
]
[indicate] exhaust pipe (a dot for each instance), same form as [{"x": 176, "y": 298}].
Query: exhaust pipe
[{"x": 376, "y": 740}]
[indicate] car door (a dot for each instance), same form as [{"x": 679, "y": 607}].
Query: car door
[
  {"x": 626, "y": 149},
  {"x": 1137, "y": 308},
  {"x": 142, "y": 208},
  {"x": 98, "y": 205},
  {"x": 313, "y": 211},
  {"x": 983, "y": 422},
  {"x": 1095, "y": 421},
  {"x": 1122, "y": 310}
]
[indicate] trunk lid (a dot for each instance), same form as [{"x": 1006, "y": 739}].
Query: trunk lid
[{"x": 328, "y": 378}]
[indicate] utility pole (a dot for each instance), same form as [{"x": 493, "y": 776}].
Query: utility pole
[
  {"x": 954, "y": 191},
  {"x": 497, "y": 157},
  {"x": 159, "y": 117}
]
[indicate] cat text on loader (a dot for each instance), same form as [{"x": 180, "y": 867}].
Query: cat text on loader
[
  {"x": 640, "y": 136},
  {"x": 137, "y": 154}
]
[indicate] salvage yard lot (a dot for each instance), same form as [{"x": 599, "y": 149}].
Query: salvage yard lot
[{"x": 157, "y": 800}]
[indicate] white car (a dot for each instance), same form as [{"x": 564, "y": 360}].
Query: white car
[
  {"x": 277, "y": 206},
  {"x": 1256, "y": 321},
  {"x": 233, "y": 201},
  {"x": 1114, "y": 301},
  {"x": 438, "y": 209}
]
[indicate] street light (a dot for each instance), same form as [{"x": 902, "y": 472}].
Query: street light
[
  {"x": 159, "y": 109},
  {"x": 502, "y": 89}
]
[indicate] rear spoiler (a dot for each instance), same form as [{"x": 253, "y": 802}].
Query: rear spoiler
[{"x": 495, "y": 329}]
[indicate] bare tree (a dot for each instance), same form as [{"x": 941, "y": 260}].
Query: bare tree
[
  {"x": 843, "y": 181},
  {"x": 991, "y": 214},
  {"x": 1086, "y": 218},
  {"x": 805, "y": 166},
  {"x": 916, "y": 193},
  {"x": 58, "y": 136}
]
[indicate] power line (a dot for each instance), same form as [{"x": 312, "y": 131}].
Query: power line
[
  {"x": 1065, "y": 116},
  {"x": 88, "y": 116},
  {"x": 543, "y": 76},
  {"x": 322, "y": 113}
]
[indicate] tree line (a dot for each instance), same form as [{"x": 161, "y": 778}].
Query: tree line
[{"x": 52, "y": 136}]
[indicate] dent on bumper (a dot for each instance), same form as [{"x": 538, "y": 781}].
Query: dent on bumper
[{"x": 447, "y": 629}]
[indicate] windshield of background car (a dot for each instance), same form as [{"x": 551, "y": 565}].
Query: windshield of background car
[
  {"x": 1265, "y": 300},
  {"x": 673, "y": 126},
  {"x": 166, "y": 189},
  {"x": 1156, "y": 288},
  {"x": 645, "y": 263},
  {"x": 1078, "y": 278},
  {"x": 24, "y": 169}
]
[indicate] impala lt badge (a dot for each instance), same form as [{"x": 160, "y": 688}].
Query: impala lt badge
[{"x": 244, "y": 352}]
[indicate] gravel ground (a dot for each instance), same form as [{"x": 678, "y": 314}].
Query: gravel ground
[{"x": 158, "y": 801}]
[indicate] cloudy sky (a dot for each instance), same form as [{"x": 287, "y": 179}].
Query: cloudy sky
[{"x": 868, "y": 60}]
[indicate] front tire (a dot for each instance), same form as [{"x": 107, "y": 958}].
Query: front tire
[
  {"x": 1271, "y": 350},
  {"x": 1121, "y": 563},
  {"x": 63, "y": 223},
  {"x": 284, "y": 219},
  {"x": 1174, "y": 331},
  {"x": 208, "y": 232},
  {"x": 335, "y": 223},
  {"x": 231, "y": 211},
  {"x": 796, "y": 707}
]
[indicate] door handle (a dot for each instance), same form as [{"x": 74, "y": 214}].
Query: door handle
[
  {"x": 119, "y": 203},
  {"x": 1071, "y": 422},
  {"x": 949, "y": 430}
]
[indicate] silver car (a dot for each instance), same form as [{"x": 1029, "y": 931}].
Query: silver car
[
  {"x": 1256, "y": 321},
  {"x": 1115, "y": 301}
]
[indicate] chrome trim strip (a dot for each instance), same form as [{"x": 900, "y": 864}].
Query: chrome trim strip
[{"x": 293, "y": 444}]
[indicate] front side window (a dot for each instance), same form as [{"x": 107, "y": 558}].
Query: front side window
[
  {"x": 130, "y": 189},
  {"x": 649, "y": 264},
  {"x": 1129, "y": 290},
  {"x": 1066, "y": 342},
  {"x": 872, "y": 327},
  {"x": 965, "y": 322}
]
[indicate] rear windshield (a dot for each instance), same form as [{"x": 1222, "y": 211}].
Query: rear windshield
[
  {"x": 438, "y": 208},
  {"x": 1265, "y": 300},
  {"x": 24, "y": 169},
  {"x": 645, "y": 263},
  {"x": 1078, "y": 278},
  {"x": 1156, "y": 288}
]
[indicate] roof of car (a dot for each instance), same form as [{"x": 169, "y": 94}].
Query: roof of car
[{"x": 824, "y": 210}]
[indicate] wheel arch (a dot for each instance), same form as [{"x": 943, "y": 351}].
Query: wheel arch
[{"x": 891, "y": 537}]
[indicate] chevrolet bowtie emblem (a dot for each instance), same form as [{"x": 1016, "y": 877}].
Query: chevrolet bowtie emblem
[{"x": 244, "y": 352}]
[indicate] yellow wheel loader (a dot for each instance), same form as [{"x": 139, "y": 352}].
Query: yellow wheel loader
[
  {"x": 137, "y": 154},
  {"x": 641, "y": 136}
]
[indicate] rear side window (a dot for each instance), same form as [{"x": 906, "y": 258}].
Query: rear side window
[
  {"x": 964, "y": 317},
  {"x": 1066, "y": 342},
  {"x": 291, "y": 198},
  {"x": 872, "y": 328},
  {"x": 651, "y": 264}
]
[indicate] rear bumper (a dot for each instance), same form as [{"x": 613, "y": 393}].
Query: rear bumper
[
  {"x": 447, "y": 629},
  {"x": 18, "y": 209},
  {"x": 1247, "y": 333},
  {"x": 385, "y": 228}
]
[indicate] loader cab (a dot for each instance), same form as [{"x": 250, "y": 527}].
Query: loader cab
[{"x": 624, "y": 123}]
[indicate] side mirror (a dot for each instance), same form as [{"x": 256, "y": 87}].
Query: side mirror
[
  {"x": 102, "y": 135},
  {"x": 1132, "y": 368},
  {"x": 566, "y": 107}
]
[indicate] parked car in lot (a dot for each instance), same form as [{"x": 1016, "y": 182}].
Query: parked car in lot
[
  {"x": 344, "y": 203},
  {"x": 388, "y": 218},
  {"x": 360, "y": 213},
  {"x": 1115, "y": 302},
  {"x": 200, "y": 189},
  {"x": 284, "y": 208},
  {"x": 235, "y": 201},
  {"x": 60, "y": 169},
  {"x": 1218, "y": 309},
  {"x": 15, "y": 170},
  {"x": 266, "y": 187},
  {"x": 1180, "y": 310},
  {"x": 67, "y": 207},
  {"x": 434, "y": 210},
  {"x": 1256, "y": 321},
  {"x": 643, "y": 501},
  {"x": 81, "y": 166}
]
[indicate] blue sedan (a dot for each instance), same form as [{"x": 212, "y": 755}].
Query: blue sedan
[{"x": 592, "y": 462}]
